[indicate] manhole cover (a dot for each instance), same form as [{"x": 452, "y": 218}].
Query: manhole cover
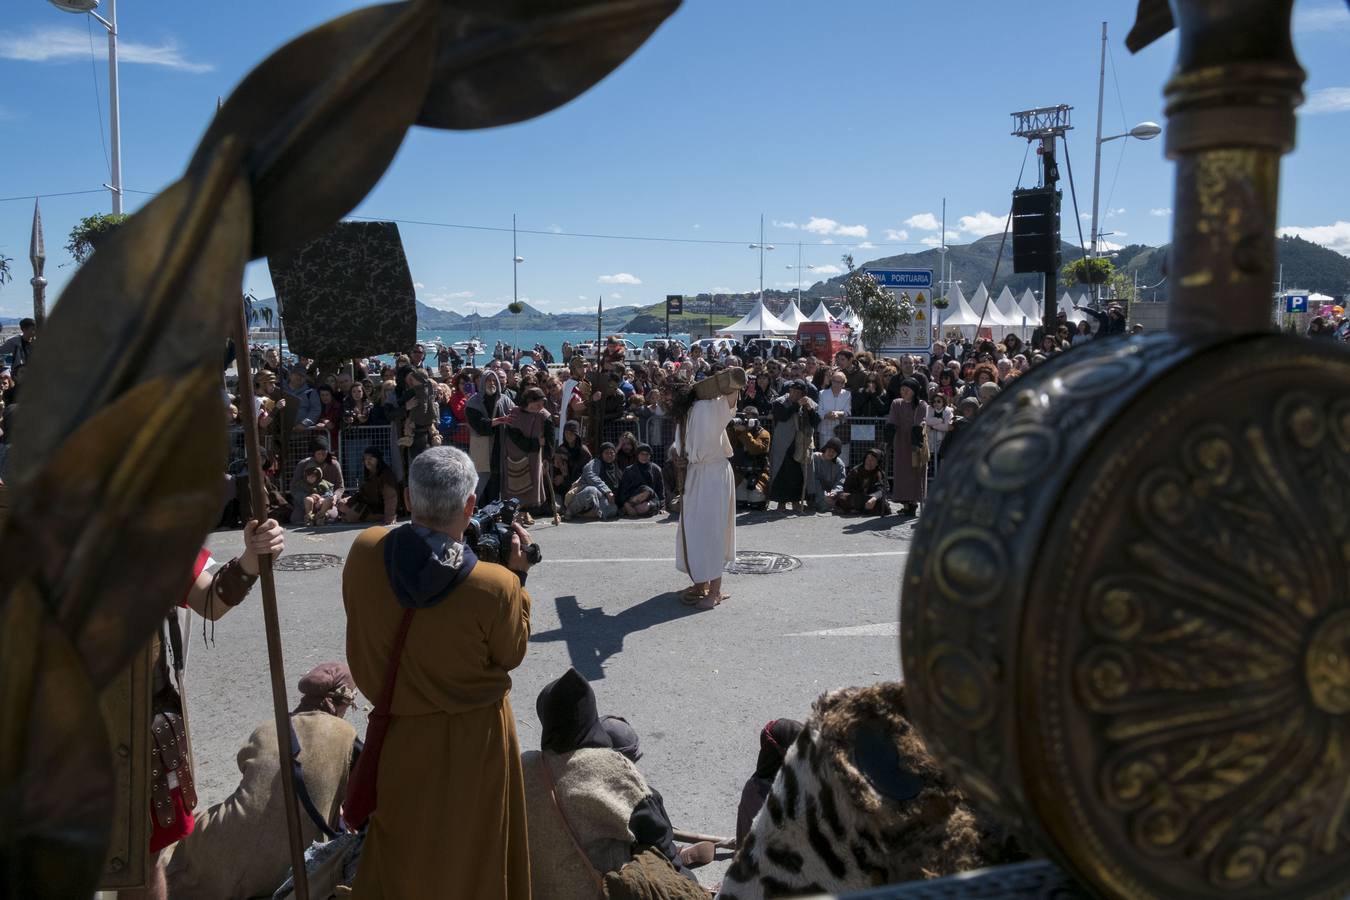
[
  {"x": 307, "y": 562},
  {"x": 758, "y": 562}
]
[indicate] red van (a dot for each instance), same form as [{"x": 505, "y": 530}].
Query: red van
[{"x": 823, "y": 339}]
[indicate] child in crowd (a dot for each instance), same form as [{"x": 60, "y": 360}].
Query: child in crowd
[{"x": 318, "y": 496}]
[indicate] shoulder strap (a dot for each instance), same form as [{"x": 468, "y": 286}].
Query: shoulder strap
[
  {"x": 553, "y": 795},
  {"x": 386, "y": 698},
  {"x": 302, "y": 791}
]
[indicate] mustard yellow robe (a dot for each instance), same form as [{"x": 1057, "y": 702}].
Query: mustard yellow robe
[{"x": 450, "y": 820}]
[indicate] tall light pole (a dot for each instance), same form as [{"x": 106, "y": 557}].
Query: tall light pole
[
  {"x": 1144, "y": 131},
  {"x": 799, "y": 268},
  {"x": 114, "y": 101},
  {"x": 515, "y": 289},
  {"x": 761, "y": 247}
]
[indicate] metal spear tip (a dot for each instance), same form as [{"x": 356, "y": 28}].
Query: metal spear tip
[
  {"x": 1146, "y": 131},
  {"x": 75, "y": 6}
]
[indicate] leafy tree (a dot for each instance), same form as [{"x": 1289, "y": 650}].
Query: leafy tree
[
  {"x": 1087, "y": 271},
  {"x": 5, "y": 274},
  {"x": 85, "y": 236},
  {"x": 516, "y": 307},
  {"x": 882, "y": 313}
]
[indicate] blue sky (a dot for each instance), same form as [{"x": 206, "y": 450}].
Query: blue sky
[{"x": 844, "y": 124}]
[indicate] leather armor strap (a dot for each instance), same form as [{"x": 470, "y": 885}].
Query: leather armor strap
[
  {"x": 231, "y": 583},
  {"x": 170, "y": 767}
]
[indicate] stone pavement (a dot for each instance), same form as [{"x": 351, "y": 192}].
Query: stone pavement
[{"x": 697, "y": 686}]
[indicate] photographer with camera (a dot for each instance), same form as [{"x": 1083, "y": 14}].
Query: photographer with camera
[
  {"x": 750, "y": 458},
  {"x": 445, "y": 629}
]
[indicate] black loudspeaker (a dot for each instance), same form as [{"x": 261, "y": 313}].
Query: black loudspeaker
[
  {"x": 1035, "y": 230},
  {"x": 347, "y": 294}
]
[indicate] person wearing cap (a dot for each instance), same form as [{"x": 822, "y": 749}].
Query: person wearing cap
[
  {"x": 796, "y": 418},
  {"x": 641, "y": 491},
  {"x": 235, "y": 848},
  {"x": 706, "y": 538},
  {"x": 588, "y": 806}
]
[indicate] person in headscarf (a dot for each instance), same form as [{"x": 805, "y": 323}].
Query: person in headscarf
[
  {"x": 774, "y": 740},
  {"x": 865, "y": 487},
  {"x": 641, "y": 490},
  {"x": 796, "y": 419},
  {"x": 488, "y": 404},
  {"x": 234, "y": 851},
  {"x": 570, "y": 458},
  {"x": 583, "y": 779},
  {"x": 527, "y": 437},
  {"x": 595, "y": 494},
  {"x": 827, "y": 476},
  {"x": 377, "y": 498},
  {"x": 321, "y": 455},
  {"x": 904, "y": 432}
]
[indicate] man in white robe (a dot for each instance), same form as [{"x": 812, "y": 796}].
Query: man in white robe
[{"x": 706, "y": 539}]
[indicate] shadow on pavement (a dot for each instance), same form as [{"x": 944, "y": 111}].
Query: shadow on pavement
[
  {"x": 875, "y": 523},
  {"x": 593, "y": 636}
]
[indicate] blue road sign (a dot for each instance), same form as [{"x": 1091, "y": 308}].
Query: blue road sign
[
  {"x": 1296, "y": 303},
  {"x": 903, "y": 278}
]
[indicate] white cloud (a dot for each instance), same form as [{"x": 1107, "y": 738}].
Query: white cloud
[
  {"x": 620, "y": 278},
  {"x": 931, "y": 241},
  {"x": 1336, "y": 236},
  {"x": 924, "y": 222},
  {"x": 897, "y": 234},
  {"x": 777, "y": 224},
  {"x": 578, "y": 309},
  {"x": 828, "y": 241},
  {"x": 823, "y": 226},
  {"x": 556, "y": 229},
  {"x": 1104, "y": 244},
  {"x": 981, "y": 223},
  {"x": 484, "y": 308},
  {"x": 1308, "y": 19},
  {"x": 867, "y": 245},
  {"x": 1328, "y": 100},
  {"x": 1112, "y": 213},
  {"x": 615, "y": 296},
  {"x": 65, "y": 44},
  {"x": 827, "y": 270},
  {"x": 1161, "y": 212},
  {"x": 1086, "y": 217},
  {"x": 419, "y": 286},
  {"x": 696, "y": 226},
  {"x": 724, "y": 290},
  {"x": 442, "y": 300}
]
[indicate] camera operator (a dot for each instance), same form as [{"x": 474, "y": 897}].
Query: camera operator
[
  {"x": 451, "y": 742},
  {"x": 750, "y": 459}
]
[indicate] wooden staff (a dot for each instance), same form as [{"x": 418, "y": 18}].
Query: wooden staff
[
  {"x": 693, "y": 837},
  {"x": 275, "y": 665}
]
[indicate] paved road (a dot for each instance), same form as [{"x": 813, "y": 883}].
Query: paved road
[{"x": 697, "y": 686}]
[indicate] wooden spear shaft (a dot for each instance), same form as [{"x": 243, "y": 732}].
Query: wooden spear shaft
[{"x": 275, "y": 665}]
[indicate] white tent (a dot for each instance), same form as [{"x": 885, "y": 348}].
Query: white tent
[
  {"x": 993, "y": 317},
  {"x": 959, "y": 315},
  {"x": 822, "y": 314},
  {"x": 1011, "y": 313},
  {"x": 854, "y": 321},
  {"x": 1066, "y": 305},
  {"x": 793, "y": 316},
  {"x": 1031, "y": 308},
  {"x": 758, "y": 322}
]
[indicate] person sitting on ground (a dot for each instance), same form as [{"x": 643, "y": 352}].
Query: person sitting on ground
[
  {"x": 827, "y": 476},
  {"x": 230, "y": 852},
  {"x": 750, "y": 443},
  {"x": 320, "y": 455},
  {"x": 377, "y": 498},
  {"x": 317, "y": 494},
  {"x": 569, "y": 459},
  {"x": 589, "y": 809},
  {"x": 594, "y": 494},
  {"x": 640, "y": 488},
  {"x": 865, "y": 487},
  {"x": 774, "y": 740}
]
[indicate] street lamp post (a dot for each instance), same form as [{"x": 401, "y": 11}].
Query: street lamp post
[
  {"x": 761, "y": 247},
  {"x": 799, "y": 268},
  {"x": 1144, "y": 131},
  {"x": 515, "y": 290},
  {"x": 114, "y": 100}
]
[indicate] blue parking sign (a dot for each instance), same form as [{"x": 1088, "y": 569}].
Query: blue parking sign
[{"x": 1296, "y": 303}]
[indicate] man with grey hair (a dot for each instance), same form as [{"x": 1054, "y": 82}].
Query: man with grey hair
[{"x": 451, "y": 742}]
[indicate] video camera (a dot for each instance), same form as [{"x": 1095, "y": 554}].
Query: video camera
[
  {"x": 747, "y": 424},
  {"x": 490, "y": 530}
]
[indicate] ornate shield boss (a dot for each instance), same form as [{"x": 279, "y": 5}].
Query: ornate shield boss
[{"x": 1126, "y": 618}]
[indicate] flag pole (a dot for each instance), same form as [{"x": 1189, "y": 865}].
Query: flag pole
[{"x": 275, "y": 665}]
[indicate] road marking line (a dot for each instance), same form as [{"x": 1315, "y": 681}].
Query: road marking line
[
  {"x": 671, "y": 559},
  {"x": 882, "y": 629}
]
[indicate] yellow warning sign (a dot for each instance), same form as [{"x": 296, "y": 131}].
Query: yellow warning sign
[
  {"x": 919, "y": 300},
  {"x": 918, "y": 314}
]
